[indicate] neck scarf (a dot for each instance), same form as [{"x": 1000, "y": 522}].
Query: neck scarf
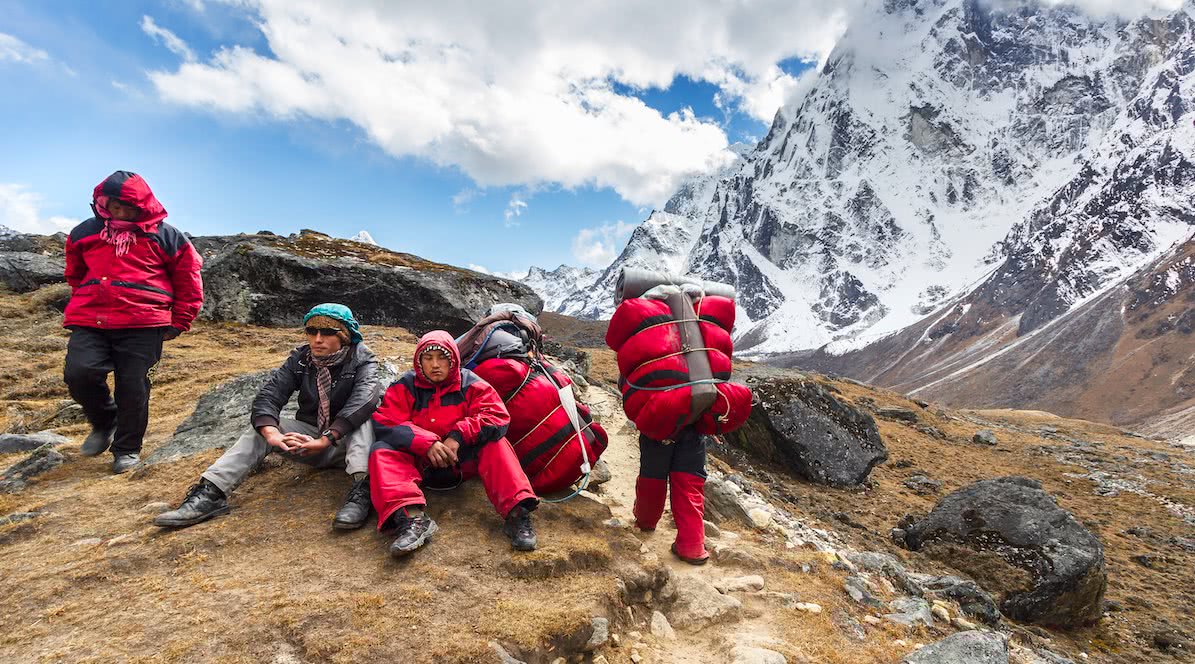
[
  {"x": 120, "y": 234},
  {"x": 323, "y": 382}
]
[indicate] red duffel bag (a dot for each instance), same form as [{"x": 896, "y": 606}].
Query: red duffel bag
[
  {"x": 674, "y": 361},
  {"x": 541, "y": 430},
  {"x": 504, "y": 349}
]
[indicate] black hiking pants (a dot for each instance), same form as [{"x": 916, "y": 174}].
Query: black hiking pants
[
  {"x": 91, "y": 354},
  {"x": 685, "y": 455}
]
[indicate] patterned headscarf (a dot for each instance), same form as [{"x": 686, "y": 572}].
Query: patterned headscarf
[{"x": 323, "y": 382}]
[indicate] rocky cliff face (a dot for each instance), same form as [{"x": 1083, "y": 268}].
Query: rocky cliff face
[
  {"x": 1120, "y": 356},
  {"x": 1020, "y": 155},
  {"x": 558, "y": 287},
  {"x": 1034, "y": 150}
]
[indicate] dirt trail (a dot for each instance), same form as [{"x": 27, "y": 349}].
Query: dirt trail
[{"x": 622, "y": 456}]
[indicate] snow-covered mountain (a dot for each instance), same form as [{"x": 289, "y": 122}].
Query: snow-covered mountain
[
  {"x": 364, "y": 237},
  {"x": 664, "y": 241},
  {"x": 557, "y": 286},
  {"x": 1021, "y": 155}
]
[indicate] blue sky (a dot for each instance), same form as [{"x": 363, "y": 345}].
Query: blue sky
[{"x": 95, "y": 87}]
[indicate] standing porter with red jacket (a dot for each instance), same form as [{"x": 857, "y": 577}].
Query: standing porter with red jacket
[{"x": 134, "y": 283}]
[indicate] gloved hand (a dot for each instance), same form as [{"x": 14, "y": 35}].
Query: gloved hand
[{"x": 171, "y": 333}]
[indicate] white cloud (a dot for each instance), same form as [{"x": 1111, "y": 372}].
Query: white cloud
[
  {"x": 167, "y": 39},
  {"x": 522, "y": 93},
  {"x": 462, "y": 198},
  {"x": 16, "y": 50},
  {"x": 525, "y": 92},
  {"x": 514, "y": 209},
  {"x": 598, "y": 247},
  {"x": 20, "y": 211}
]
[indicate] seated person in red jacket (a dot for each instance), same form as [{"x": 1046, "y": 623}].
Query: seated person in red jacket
[{"x": 441, "y": 420}]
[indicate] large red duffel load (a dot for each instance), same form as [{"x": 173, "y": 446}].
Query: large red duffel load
[
  {"x": 504, "y": 352},
  {"x": 674, "y": 349}
]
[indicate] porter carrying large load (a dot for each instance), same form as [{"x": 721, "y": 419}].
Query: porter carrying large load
[
  {"x": 555, "y": 436},
  {"x": 672, "y": 338}
]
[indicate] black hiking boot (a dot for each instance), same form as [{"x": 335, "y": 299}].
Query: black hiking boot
[
  {"x": 413, "y": 532},
  {"x": 519, "y": 529},
  {"x": 97, "y": 442},
  {"x": 355, "y": 510},
  {"x": 123, "y": 463},
  {"x": 204, "y": 501}
]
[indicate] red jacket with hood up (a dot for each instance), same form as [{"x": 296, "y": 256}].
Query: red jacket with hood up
[
  {"x": 157, "y": 283},
  {"x": 415, "y": 413}
]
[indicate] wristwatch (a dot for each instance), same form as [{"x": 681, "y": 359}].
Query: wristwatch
[{"x": 331, "y": 434}]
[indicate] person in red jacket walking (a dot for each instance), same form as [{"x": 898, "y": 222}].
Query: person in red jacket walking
[
  {"x": 442, "y": 423},
  {"x": 134, "y": 283},
  {"x": 680, "y": 464}
]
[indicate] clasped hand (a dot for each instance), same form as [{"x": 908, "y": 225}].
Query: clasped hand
[
  {"x": 444, "y": 453},
  {"x": 295, "y": 443}
]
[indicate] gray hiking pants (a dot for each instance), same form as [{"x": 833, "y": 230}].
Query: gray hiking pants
[{"x": 351, "y": 453}]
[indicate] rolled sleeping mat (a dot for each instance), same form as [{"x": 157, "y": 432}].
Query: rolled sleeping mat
[{"x": 634, "y": 282}]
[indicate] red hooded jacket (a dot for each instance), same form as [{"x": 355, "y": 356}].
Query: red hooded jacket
[
  {"x": 416, "y": 414},
  {"x": 157, "y": 283}
]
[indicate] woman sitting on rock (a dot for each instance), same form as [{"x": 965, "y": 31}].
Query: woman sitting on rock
[
  {"x": 335, "y": 375},
  {"x": 442, "y": 420}
]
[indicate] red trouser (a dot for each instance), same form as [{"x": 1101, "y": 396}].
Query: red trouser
[
  {"x": 681, "y": 467},
  {"x": 395, "y": 476}
]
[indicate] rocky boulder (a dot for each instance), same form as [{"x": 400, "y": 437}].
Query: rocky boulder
[
  {"x": 266, "y": 279},
  {"x": 220, "y": 417},
  {"x": 697, "y": 604},
  {"x": 803, "y": 426},
  {"x": 17, "y": 476},
  {"x": 28, "y": 262},
  {"x": 27, "y": 442},
  {"x": 972, "y": 647},
  {"x": 1014, "y": 539}
]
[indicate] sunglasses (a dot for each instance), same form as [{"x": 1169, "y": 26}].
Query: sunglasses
[{"x": 322, "y": 331}]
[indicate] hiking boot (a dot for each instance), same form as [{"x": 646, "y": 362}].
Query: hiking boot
[
  {"x": 700, "y": 559},
  {"x": 203, "y": 501},
  {"x": 123, "y": 463},
  {"x": 355, "y": 510},
  {"x": 97, "y": 442},
  {"x": 413, "y": 532},
  {"x": 519, "y": 529}
]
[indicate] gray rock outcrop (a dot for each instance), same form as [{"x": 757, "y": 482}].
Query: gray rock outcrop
[
  {"x": 800, "y": 424},
  {"x": 270, "y": 280},
  {"x": 28, "y": 262},
  {"x": 970, "y": 647},
  {"x": 17, "y": 476},
  {"x": 698, "y": 604},
  {"x": 221, "y": 416},
  {"x": 27, "y": 442},
  {"x": 1014, "y": 539}
]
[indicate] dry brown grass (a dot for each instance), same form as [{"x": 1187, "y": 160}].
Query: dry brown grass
[
  {"x": 1152, "y": 598},
  {"x": 272, "y": 574}
]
